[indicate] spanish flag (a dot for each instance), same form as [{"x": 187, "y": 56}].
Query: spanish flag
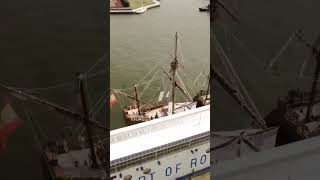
[{"x": 113, "y": 100}]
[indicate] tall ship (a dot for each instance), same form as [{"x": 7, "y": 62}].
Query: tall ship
[
  {"x": 139, "y": 110},
  {"x": 164, "y": 133},
  {"x": 297, "y": 139},
  {"x": 298, "y": 113}
]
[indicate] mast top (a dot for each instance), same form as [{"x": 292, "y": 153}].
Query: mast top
[{"x": 174, "y": 66}]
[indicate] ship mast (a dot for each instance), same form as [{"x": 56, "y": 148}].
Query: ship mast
[
  {"x": 177, "y": 85},
  {"x": 208, "y": 88},
  {"x": 137, "y": 98},
  {"x": 234, "y": 92},
  {"x": 62, "y": 110},
  {"x": 174, "y": 66},
  {"x": 86, "y": 118}
]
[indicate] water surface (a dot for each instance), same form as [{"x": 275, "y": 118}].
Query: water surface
[{"x": 139, "y": 42}]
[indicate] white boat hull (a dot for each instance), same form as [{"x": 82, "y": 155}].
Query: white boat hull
[{"x": 173, "y": 166}]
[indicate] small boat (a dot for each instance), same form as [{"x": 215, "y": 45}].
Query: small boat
[
  {"x": 140, "y": 10},
  {"x": 204, "y": 8}
]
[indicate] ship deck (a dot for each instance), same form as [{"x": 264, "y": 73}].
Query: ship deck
[{"x": 141, "y": 137}]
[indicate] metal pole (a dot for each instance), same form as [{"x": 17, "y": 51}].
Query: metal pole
[
  {"x": 174, "y": 67},
  {"x": 86, "y": 118},
  {"x": 207, "y": 89},
  {"x": 137, "y": 98}
]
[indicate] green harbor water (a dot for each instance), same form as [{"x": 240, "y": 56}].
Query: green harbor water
[{"x": 139, "y": 42}]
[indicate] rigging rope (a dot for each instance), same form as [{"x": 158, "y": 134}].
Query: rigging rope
[
  {"x": 141, "y": 84},
  {"x": 180, "y": 49},
  {"x": 155, "y": 67},
  {"x": 57, "y": 86},
  {"x": 241, "y": 85},
  {"x": 93, "y": 75},
  {"x": 283, "y": 48},
  {"x": 99, "y": 108},
  {"x": 37, "y": 139},
  {"x": 245, "y": 47},
  {"x": 151, "y": 80},
  {"x": 79, "y": 130},
  {"x": 198, "y": 77},
  {"x": 164, "y": 87},
  {"x": 205, "y": 82},
  {"x": 101, "y": 100},
  {"x": 34, "y": 122},
  {"x": 227, "y": 64},
  {"x": 260, "y": 61},
  {"x": 188, "y": 80},
  {"x": 153, "y": 97},
  {"x": 194, "y": 82},
  {"x": 101, "y": 59},
  {"x": 228, "y": 71},
  {"x": 304, "y": 64},
  {"x": 46, "y": 88},
  {"x": 277, "y": 56},
  {"x": 183, "y": 86}
]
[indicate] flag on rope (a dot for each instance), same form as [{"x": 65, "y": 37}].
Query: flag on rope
[
  {"x": 113, "y": 100},
  {"x": 9, "y": 120}
]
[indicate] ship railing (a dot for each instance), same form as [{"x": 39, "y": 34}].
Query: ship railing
[
  {"x": 175, "y": 121},
  {"x": 155, "y": 153}
]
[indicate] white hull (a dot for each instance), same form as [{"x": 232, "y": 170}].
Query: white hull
[
  {"x": 172, "y": 166},
  {"x": 170, "y": 147}
]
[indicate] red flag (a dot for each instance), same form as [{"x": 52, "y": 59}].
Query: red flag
[
  {"x": 113, "y": 100},
  {"x": 9, "y": 121}
]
